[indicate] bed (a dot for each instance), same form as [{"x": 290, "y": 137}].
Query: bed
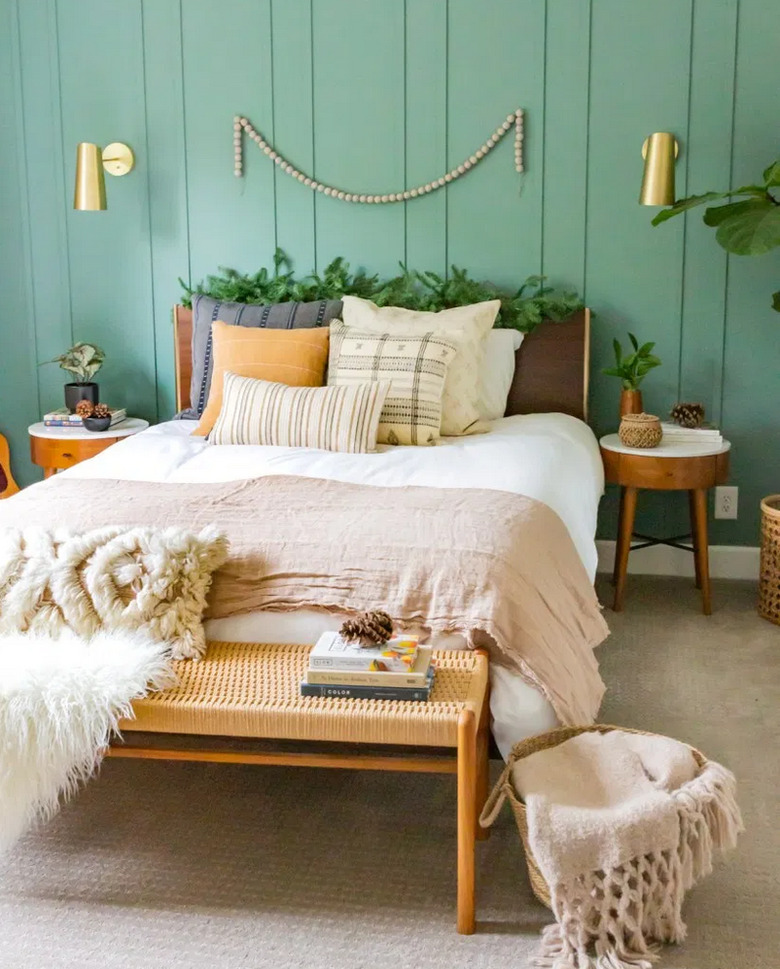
[{"x": 542, "y": 449}]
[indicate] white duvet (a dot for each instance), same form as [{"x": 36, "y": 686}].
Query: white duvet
[{"x": 550, "y": 457}]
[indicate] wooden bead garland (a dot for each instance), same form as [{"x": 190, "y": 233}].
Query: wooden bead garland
[{"x": 241, "y": 125}]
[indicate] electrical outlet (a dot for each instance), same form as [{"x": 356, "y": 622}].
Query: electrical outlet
[{"x": 726, "y": 501}]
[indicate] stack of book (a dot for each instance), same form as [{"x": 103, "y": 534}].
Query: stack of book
[
  {"x": 706, "y": 434},
  {"x": 63, "y": 418},
  {"x": 399, "y": 669}
]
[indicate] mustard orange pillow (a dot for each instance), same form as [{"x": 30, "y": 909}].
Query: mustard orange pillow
[{"x": 297, "y": 358}]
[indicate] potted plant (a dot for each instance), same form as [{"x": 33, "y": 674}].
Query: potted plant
[
  {"x": 632, "y": 368},
  {"x": 747, "y": 228},
  {"x": 82, "y": 362}
]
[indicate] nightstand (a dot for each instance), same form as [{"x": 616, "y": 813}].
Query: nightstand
[
  {"x": 8, "y": 486},
  {"x": 57, "y": 448},
  {"x": 668, "y": 467}
]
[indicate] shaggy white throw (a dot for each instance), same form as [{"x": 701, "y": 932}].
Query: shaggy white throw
[
  {"x": 60, "y": 701},
  {"x": 621, "y": 825}
]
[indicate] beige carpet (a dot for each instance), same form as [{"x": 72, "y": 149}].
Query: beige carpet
[{"x": 159, "y": 866}]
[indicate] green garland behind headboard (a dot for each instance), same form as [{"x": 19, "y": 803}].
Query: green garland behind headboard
[{"x": 520, "y": 310}]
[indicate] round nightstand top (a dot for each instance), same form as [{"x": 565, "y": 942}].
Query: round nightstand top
[
  {"x": 611, "y": 442},
  {"x": 130, "y": 425}
]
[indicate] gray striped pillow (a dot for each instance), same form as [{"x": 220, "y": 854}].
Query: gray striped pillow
[{"x": 330, "y": 418}]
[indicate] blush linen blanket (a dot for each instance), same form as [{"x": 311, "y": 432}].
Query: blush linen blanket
[{"x": 496, "y": 567}]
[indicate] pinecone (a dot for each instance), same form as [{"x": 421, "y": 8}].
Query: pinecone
[
  {"x": 85, "y": 408},
  {"x": 368, "y": 628},
  {"x": 688, "y": 415},
  {"x": 101, "y": 410}
]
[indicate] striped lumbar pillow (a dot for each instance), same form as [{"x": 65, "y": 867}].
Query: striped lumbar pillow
[
  {"x": 416, "y": 367},
  {"x": 331, "y": 418}
]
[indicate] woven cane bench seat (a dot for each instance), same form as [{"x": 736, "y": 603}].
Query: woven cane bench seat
[{"x": 252, "y": 690}]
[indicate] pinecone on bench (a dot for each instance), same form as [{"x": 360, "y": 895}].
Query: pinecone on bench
[{"x": 368, "y": 628}]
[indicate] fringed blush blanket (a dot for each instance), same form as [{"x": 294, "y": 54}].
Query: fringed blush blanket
[
  {"x": 621, "y": 825},
  {"x": 481, "y": 563}
]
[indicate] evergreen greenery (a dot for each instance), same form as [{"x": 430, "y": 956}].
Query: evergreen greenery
[{"x": 520, "y": 310}]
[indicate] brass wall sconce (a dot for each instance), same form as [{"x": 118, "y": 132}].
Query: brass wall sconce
[
  {"x": 90, "y": 193},
  {"x": 659, "y": 152}
]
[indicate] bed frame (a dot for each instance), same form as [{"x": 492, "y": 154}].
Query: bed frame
[
  {"x": 551, "y": 375},
  {"x": 551, "y": 370}
]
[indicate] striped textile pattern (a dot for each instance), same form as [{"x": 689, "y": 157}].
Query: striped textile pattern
[
  {"x": 416, "y": 368},
  {"x": 274, "y": 316},
  {"x": 342, "y": 418}
]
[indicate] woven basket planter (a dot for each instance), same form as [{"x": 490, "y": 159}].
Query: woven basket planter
[
  {"x": 640, "y": 430},
  {"x": 769, "y": 579},
  {"x": 505, "y": 789}
]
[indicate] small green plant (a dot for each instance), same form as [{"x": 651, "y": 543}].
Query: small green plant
[
  {"x": 82, "y": 361},
  {"x": 521, "y": 309},
  {"x": 633, "y": 367},
  {"x": 748, "y": 228}
]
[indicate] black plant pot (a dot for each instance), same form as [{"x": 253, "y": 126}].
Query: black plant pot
[{"x": 76, "y": 392}]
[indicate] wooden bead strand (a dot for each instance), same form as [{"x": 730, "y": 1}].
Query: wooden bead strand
[{"x": 516, "y": 120}]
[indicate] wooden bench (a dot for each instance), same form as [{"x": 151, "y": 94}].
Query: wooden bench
[{"x": 241, "y": 705}]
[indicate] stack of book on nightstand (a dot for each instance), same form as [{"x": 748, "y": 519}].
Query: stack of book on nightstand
[
  {"x": 399, "y": 669},
  {"x": 64, "y": 418},
  {"x": 706, "y": 434}
]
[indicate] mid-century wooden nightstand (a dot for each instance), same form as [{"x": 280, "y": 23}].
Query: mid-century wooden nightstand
[
  {"x": 668, "y": 467},
  {"x": 8, "y": 486},
  {"x": 57, "y": 448}
]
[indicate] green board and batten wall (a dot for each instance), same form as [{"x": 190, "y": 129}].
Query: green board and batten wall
[{"x": 377, "y": 95}]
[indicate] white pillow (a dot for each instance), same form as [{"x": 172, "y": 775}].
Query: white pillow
[
  {"x": 460, "y": 403},
  {"x": 497, "y": 372}
]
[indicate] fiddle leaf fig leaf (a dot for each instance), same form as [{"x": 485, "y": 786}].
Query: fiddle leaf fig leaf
[
  {"x": 719, "y": 213},
  {"x": 682, "y": 205},
  {"x": 772, "y": 174},
  {"x": 751, "y": 231},
  {"x": 776, "y": 301}
]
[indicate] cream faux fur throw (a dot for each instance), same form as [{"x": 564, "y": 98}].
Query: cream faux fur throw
[
  {"x": 153, "y": 580},
  {"x": 621, "y": 825},
  {"x": 60, "y": 701}
]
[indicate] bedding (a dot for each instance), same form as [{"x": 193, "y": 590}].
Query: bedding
[
  {"x": 329, "y": 418},
  {"x": 470, "y": 325},
  {"x": 348, "y": 548},
  {"x": 497, "y": 372},
  {"x": 297, "y": 358},
  {"x": 274, "y": 316},
  {"x": 551, "y": 457},
  {"x": 416, "y": 368}
]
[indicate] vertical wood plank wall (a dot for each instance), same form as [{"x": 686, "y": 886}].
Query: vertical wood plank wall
[{"x": 377, "y": 94}]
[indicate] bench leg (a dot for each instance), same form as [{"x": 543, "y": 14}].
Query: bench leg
[
  {"x": 483, "y": 764},
  {"x": 467, "y": 819}
]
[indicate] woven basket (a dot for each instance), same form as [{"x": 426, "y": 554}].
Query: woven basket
[
  {"x": 504, "y": 789},
  {"x": 640, "y": 430},
  {"x": 769, "y": 580}
]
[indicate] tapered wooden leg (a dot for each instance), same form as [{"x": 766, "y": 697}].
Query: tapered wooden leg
[
  {"x": 467, "y": 819},
  {"x": 701, "y": 546},
  {"x": 628, "y": 513},
  {"x": 620, "y": 526},
  {"x": 691, "y": 500},
  {"x": 483, "y": 766}
]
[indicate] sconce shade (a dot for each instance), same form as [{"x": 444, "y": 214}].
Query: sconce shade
[
  {"x": 90, "y": 193},
  {"x": 659, "y": 152}
]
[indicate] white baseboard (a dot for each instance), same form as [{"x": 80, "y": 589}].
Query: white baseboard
[{"x": 726, "y": 561}]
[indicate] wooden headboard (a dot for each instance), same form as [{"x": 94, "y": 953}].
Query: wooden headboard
[{"x": 551, "y": 371}]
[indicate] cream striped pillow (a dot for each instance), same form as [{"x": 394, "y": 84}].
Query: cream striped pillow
[
  {"x": 416, "y": 367},
  {"x": 330, "y": 418}
]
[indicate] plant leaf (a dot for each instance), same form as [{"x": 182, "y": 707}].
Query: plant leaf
[
  {"x": 751, "y": 231},
  {"x": 682, "y": 205},
  {"x": 772, "y": 174},
  {"x": 719, "y": 213},
  {"x": 776, "y": 301}
]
